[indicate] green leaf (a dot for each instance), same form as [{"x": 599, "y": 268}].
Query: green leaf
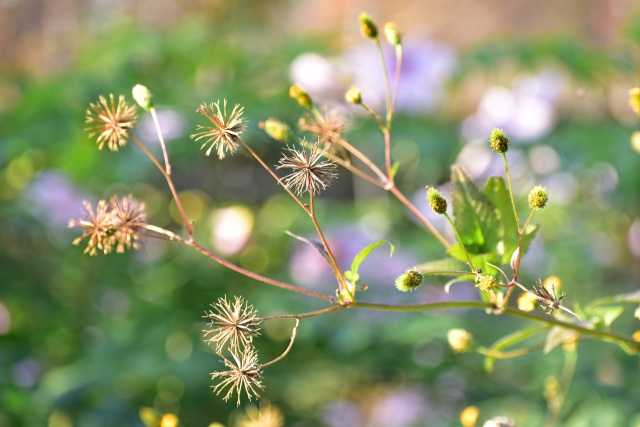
[
  {"x": 497, "y": 193},
  {"x": 475, "y": 217},
  {"x": 508, "y": 341},
  {"x": 529, "y": 234},
  {"x": 364, "y": 253},
  {"x": 442, "y": 267},
  {"x": 606, "y": 315},
  {"x": 478, "y": 260},
  {"x": 556, "y": 336},
  {"x": 394, "y": 169},
  {"x": 636, "y": 313}
]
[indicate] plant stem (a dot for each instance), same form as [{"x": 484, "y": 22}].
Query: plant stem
[
  {"x": 513, "y": 202},
  {"x": 521, "y": 232},
  {"x": 186, "y": 222},
  {"x": 156, "y": 123},
  {"x": 304, "y": 315},
  {"x": 253, "y": 275},
  {"x": 455, "y": 230},
  {"x": 386, "y": 81},
  {"x": 396, "y": 82},
  {"x": 283, "y": 355}
]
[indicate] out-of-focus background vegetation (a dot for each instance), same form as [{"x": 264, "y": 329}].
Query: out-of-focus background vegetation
[{"x": 88, "y": 341}]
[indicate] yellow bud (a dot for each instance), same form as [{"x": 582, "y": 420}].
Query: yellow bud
[
  {"x": 634, "y": 99},
  {"x": 169, "y": 420},
  {"x": 296, "y": 92},
  {"x": 469, "y": 416},
  {"x": 353, "y": 95},
  {"x": 459, "y": 340},
  {"x": 143, "y": 96},
  {"x": 391, "y": 33},
  {"x": 527, "y": 301}
]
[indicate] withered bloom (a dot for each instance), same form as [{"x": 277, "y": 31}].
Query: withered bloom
[
  {"x": 97, "y": 227},
  {"x": 244, "y": 373},
  {"x": 309, "y": 173},
  {"x": 236, "y": 324},
  {"x": 129, "y": 218},
  {"x": 225, "y": 133},
  {"x": 111, "y": 121},
  {"x": 329, "y": 127}
]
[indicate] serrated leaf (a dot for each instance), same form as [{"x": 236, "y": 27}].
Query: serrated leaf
[
  {"x": 364, "y": 253},
  {"x": 496, "y": 191},
  {"x": 556, "y": 336},
  {"x": 474, "y": 216}
]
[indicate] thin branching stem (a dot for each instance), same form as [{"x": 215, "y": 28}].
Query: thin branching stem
[
  {"x": 396, "y": 82},
  {"x": 386, "y": 81},
  {"x": 304, "y": 315},
  {"x": 283, "y": 355},
  {"x": 521, "y": 232},
  {"x": 455, "y": 230},
  {"x": 513, "y": 202},
  {"x": 156, "y": 123}
]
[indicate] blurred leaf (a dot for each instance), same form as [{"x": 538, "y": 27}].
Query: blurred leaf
[
  {"x": 394, "y": 169},
  {"x": 606, "y": 315},
  {"x": 508, "y": 341},
  {"x": 556, "y": 336},
  {"x": 316, "y": 245},
  {"x": 442, "y": 267},
  {"x": 475, "y": 217}
]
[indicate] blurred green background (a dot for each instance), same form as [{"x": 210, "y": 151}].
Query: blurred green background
[{"x": 88, "y": 341}]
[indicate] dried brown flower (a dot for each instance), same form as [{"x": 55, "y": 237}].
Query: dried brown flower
[
  {"x": 244, "y": 373},
  {"x": 329, "y": 127},
  {"x": 226, "y": 130},
  {"x": 97, "y": 227},
  {"x": 111, "y": 121},
  {"x": 129, "y": 218},
  {"x": 236, "y": 324},
  {"x": 309, "y": 174}
]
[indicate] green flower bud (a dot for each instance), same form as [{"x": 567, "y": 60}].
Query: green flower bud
[
  {"x": 485, "y": 283},
  {"x": 459, "y": 340},
  {"x": 391, "y": 33},
  {"x": 368, "y": 27},
  {"x": 143, "y": 96},
  {"x": 538, "y": 197},
  {"x": 296, "y": 92},
  {"x": 409, "y": 281},
  {"x": 353, "y": 95},
  {"x": 276, "y": 129},
  {"x": 499, "y": 141},
  {"x": 436, "y": 201}
]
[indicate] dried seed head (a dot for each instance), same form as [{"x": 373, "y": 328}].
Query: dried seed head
[
  {"x": 111, "y": 121},
  {"x": 225, "y": 133},
  {"x": 538, "y": 197},
  {"x": 436, "y": 201},
  {"x": 276, "y": 129},
  {"x": 409, "y": 281},
  {"x": 353, "y": 95},
  {"x": 391, "y": 33},
  {"x": 244, "y": 374},
  {"x": 143, "y": 96},
  {"x": 459, "y": 340},
  {"x": 499, "y": 141},
  {"x": 235, "y": 324},
  {"x": 368, "y": 26},
  {"x": 129, "y": 218},
  {"x": 97, "y": 226},
  {"x": 296, "y": 92},
  {"x": 328, "y": 127},
  {"x": 485, "y": 283},
  {"x": 309, "y": 174}
]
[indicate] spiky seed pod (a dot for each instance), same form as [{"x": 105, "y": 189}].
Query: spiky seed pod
[
  {"x": 409, "y": 281},
  {"x": 499, "y": 141},
  {"x": 538, "y": 197},
  {"x": 436, "y": 201},
  {"x": 368, "y": 26},
  {"x": 485, "y": 283},
  {"x": 111, "y": 121},
  {"x": 353, "y": 95}
]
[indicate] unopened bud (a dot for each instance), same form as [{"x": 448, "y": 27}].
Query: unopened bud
[
  {"x": 169, "y": 420},
  {"x": 391, "y": 33},
  {"x": 368, "y": 27},
  {"x": 469, "y": 416},
  {"x": 353, "y": 95},
  {"x": 634, "y": 99},
  {"x": 143, "y": 96},
  {"x": 149, "y": 416},
  {"x": 538, "y": 197},
  {"x": 527, "y": 301},
  {"x": 459, "y": 340},
  {"x": 485, "y": 283},
  {"x": 296, "y": 92},
  {"x": 436, "y": 201},
  {"x": 499, "y": 141},
  {"x": 276, "y": 129},
  {"x": 409, "y": 281}
]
